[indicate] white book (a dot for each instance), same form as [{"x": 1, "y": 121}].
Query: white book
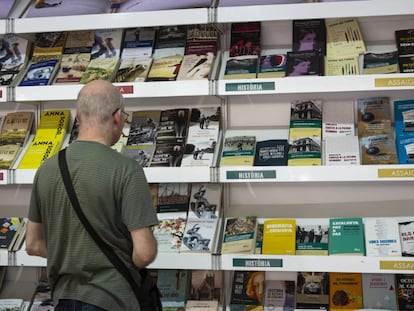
[
  {"x": 338, "y": 119},
  {"x": 382, "y": 236},
  {"x": 406, "y": 227},
  {"x": 342, "y": 150}
]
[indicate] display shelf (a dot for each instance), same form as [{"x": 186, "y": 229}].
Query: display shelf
[
  {"x": 3, "y": 26},
  {"x": 356, "y": 264},
  {"x": 21, "y": 258},
  {"x": 231, "y": 174},
  {"x": 3, "y": 94},
  {"x": 119, "y": 20},
  {"x": 183, "y": 261},
  {"x": 314, "y": 10},
  {"x": 5, "y": 177},
  {"x": 357, "y": 85}
]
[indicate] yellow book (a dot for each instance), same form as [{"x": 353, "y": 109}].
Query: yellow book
[
  {"x": 345, "y": 291},
  {"x": 279, "y": 237},
  {"x": 305, "y": 145},
  {"x": 238, "y": 150},
  {"x": 53, "y": 124},
  {"x": 39, "y": 151}
]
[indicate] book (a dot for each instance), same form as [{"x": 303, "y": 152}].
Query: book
[
  {"x": 259, "y": 238},
  {"x": 239, "y": 235},
  {"x": 312, "y": 236},
  {"x": 279, "y": 295},
  {"x": 72, "y": 67},
  {"x": 171, "y": 37},
  {"x": 53, "y": 124},
  {"x": 196, "y": 66},
  {"x": 169, "y": 231},
  {"x": 272, "y": 64},
  {"x": 342, "y": 150},
  {"x": 380, "y": 63},
  {"x": 305, "y": 143},
  {"x": 165, "y": 68},
  {"x": 403, "y": 124},
  {"x": 9, "y": 230},
  {"x": 404, "y": 39},
  {"x": 406, "y": 63},
  {"x": 167, "y": 155},
  {"x": 247, "y": 289},
  {"x": 173, "y": 126},
  {"x": 174, "y": 287},
  {"x": 312, "y": 290},
  {"x": 144, "y": 126},
  {"x": 142, "y": 154},
  {"x": 100, "y": 68},
  {"x": 338, "y": 119},
  {"x": 346, "y": 236},
  {"x": 241, "y": 67},
  {"x": 203, "y": 133},
  {"x": 138, "y": 42},
  {"x": 205, "y": 201},
  {"x": 206, "y": 285},
  {"x": 378, "y": 149},
  {"x": 133, "y": 69},
  {"x": 373, "y": 116},
  {"x": 48, "y": 46},
  {"x": 8, "y": 155},
  {"x": 107, "y": 43},
  {"x": 238, "y": 150},
  {"x": 245, "y": 39},
  {"x": 199, "y": 235},
  {"x": 404, "y": 288},
  {"x": 271, "y": 152},
  {"x": 406, "y": 229},
  {"x": 382, "y": 236},
  {"x": 345, "y": 291},
  {"x": 39, "y": 151},
  {"x": 379, "y": 291},
  {"x": 201, "y": 305},
  {"x": 309, "y": 35},
  {"x": 40, "y": 73},
  {"x": 14, "y": 54},
  {"x": 342, "y": 66},
  {"x": 304, "y": 63},
  {"x": 173, "y": 197},
  {"x": 16, "y": 128},
  {"x": 279, "y": 236}
]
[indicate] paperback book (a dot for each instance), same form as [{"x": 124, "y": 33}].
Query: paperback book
[
  {"x": 16, "y": 128},
  {"x": 238, "y": 150},
  {"x": 378, "y": 149},
  {"x": 279, "y": 295},
  {"x": 279, "y": 236},
  {"x": 165, "y": 68},
  {"x": 205, "y": 201},
  {"x": 382, "y": 236},
  {"x": 345, "y": 291},
  {"x": 10, "y": 227},
  {"x": 379, "y": 291},
  {"x": 206, "y": 285},
  {"x": 245, "y": 39},
  {"x": 173, "y": 197},
  {"x": 40, "y": 73},
  {"x": 138, "y": 42},
  {"x": 380, "y": 63},
  {"x": 271, "y": 152},
  {"x": 346, "y": 236},
  {"x": 241, "y": 67},
  {"x": 14, "y": 52},
  {"x": 170, "y": 231},
  {"x": 312, "y": 236},
  {"x": 404, "y": 39},
  {"x": 373, "y": 116},
  {"x": 133, "y": 69},
  {"x": 8, "y": 155},
  {"x": 404, "y": 288},
  {"x": 174, "y": 287},
  {"x": 243, "y": 289},
  {"x": 239, "y": 235},
  {"x": 272, "y": 65},
  {"x": 406, "y": 229},
  {"x": 107, "y": 43},
  {"x": 309, "y": 35},
  {"x": 404, "y": 130},
  {"x": 312, "y": 290},
  {"x": 173, "y": 126},
  {"x": 304, "y": 63},
  {"x": 100, "y": 69}
]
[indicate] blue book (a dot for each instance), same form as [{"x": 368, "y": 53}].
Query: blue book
[{"x": 40, "y": 73}]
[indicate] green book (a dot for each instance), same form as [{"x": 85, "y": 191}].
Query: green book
[{"x": 346, "y": 236}]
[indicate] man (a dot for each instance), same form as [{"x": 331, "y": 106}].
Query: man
[{"x": 115, "y": 197}]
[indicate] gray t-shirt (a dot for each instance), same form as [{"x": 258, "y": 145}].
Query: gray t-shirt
[{"x": 114, "y": 196}]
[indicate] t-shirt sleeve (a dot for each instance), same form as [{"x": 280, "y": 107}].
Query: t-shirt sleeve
[{"x": 34, "y": 209}]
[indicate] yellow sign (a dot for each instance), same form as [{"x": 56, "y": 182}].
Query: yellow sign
[
  {"x": 396, "y": 173},
  {"x": 394, "y": 82},
  {"x": 396, "y": 265}
]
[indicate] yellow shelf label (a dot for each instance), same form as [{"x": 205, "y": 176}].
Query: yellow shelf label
[
  {"x": 394, "y": 82},
  {"x": 396, "y": 265},
  {"x": 396, "y": 173}
]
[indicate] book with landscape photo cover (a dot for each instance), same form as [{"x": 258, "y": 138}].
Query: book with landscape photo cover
[
  {"x": 165, "y": 68},
  {"x": 238, "y": 150},
  {"x": 380, "y": 63},
  {"x": 16, "y": 128},
  {"x": 100, "y": 69}
]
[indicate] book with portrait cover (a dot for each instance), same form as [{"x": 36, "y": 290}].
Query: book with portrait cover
[
  {"x": 239, "y": 235},
  {"x": 346, "y": 236},
  {"x": 379, "y": 291},
  {"x": 404, "y": 289},
  {"x": 245, "y": 39},
  {"x": 203, "y": 133},
  {"x": 206, "y": 285},
  {"x": 174, "y": 287},
  {"x": 243, "y": 291},
  {"x": 279, "y": 236},
  {"x": 312, "y": 290},
  {"x": 304, "y": 63},
  {"x": 309, "y": 35},
  {"x": 16, "y": 128},
  {"x": 238, "y": 150},
  {"x": 312, "y": 236},
  {"x": 345, "y": 291},
  {"x": 382, "y": 236}
]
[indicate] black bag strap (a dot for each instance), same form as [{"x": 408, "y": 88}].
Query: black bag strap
[{"x": 106, "y": 249}]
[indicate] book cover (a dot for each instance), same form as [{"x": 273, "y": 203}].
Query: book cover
[
  {"x": 79, "y": 42},
  {"x": 407, "y": 237},
  {"x": 304, "y": 63},
  {"x": 259, "y": 238},
  {"x": 201, "y": 39},
  {"x": 379, "y": 291},
  {"x": 404, "y": 288},
  {"x": 378, "y": 149},
  {"x": 174, "y": 287},
  {"x": 48, "y": 46},
  {"x": 338, "y": 119},
  {"x": 107, "y": 43},
  {"x": 8, "y": 155},
  {"x": 72, "y": 67},
  {"x": 100, "y": 69},
  {"x": 342, "y": 66},
  {"x": 167, "y": 155},
  {"x": 41, "y": 73},
  {"x": 312, "y": 236},
  {"x": 238, "y": 150},
  {"x": 170, "y": 231},
  {"x": 373, "y": 116},
  {"x": 173, "y": 126},
  {"x": 271, "y": 152},
  {"x": 309, "y": 35},
  {"x": 404, "y": 130},
  {"x": 312, "y": 290},
  {"x": 279, "y": 295},
  {"x": 382, "y": 236},
  {"x": 279, "y": 236},
  {"x": 10, "y": 226},
  {"x": 272, "y": 65},
  {"x": 199, "y": 235},
  {"x": 380, "y": 63},
  {"x": 345, "y": 291},
  {"x": 138, "y": 42},
  {"x": 341, "y": 150},
  {"x": 16, "y": 128},
  {"x": 206, "y": 285},
  {"x": 173, "y": 197},
  {"x": 245, "y": 39},
  {"x": 133, "y": 69},
  {"x": 142, "y": 153},
  {"x": 203, "y": 133},
  {"x": 404, "y": 39},
  {"x": 247, "y": 289},
  {"x": 205, "y": 201},
  {"x": 241, "y": 67},
  {"x": 346, "y": 236},
  {"x": 171, "y": 37},
  {"x": 144, "y": 126},
  {"x": 239, "y": 235},
  {"x": 196, "y": 66},
  {"x": 39, "y": 151},
  {"x": 14, "y": 53},
  {"x": 53, "y": 124},
  {"x": 344, "y": 37},
  {"x": 165, "y": 68},
  {"x": 406, "y": 63}
]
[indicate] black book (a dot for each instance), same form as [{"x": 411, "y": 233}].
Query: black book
[
  {"x": 309, "y": 35},
  {"x": 304, "y": 63},
  {"x": 404, "y": 40},
  {"x": 271, "y": 152}
]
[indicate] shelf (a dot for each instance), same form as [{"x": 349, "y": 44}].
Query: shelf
[
  {"x": 3, "y": 27},
  {"x": 103, "y": 21},
  {"x": 358, "y": 84},
  {"x": 313, "y": 10},
  {"x": 3, "y": 94},
  {"x": 4, "y": 177},
  {"x": 183, "y": 261},
  {"x": 356, "y": 264}
]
